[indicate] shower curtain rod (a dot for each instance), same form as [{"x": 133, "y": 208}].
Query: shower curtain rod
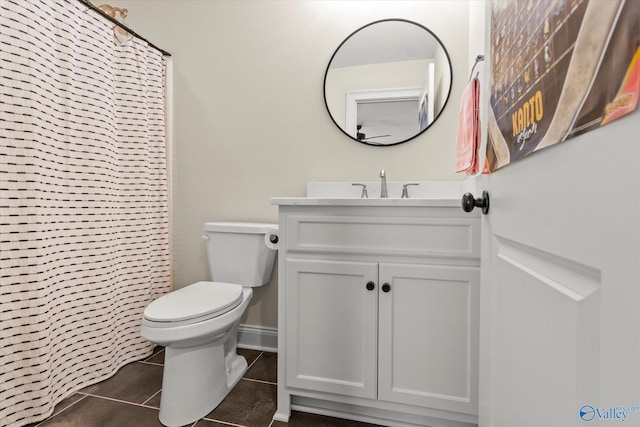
[{"x": 124, "y": 27}]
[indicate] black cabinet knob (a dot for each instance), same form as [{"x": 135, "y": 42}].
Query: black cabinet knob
[
  {"x": 370, "y": 286},
  {"x": 469, "y": 202},
  {"x": 386, "y": 287},
  {"x": 273, "y": 239}
]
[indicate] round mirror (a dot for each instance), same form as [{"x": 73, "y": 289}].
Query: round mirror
[{"x": 387, "y": 82}]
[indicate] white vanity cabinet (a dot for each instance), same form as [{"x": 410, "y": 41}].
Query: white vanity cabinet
[
  {"x": 332, "y": 333},
  {"x": 378, "y": 312}
]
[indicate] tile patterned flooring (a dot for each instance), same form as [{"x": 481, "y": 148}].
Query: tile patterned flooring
[{"x": 131, "y": 398}]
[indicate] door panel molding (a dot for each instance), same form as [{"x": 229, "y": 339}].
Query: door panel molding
[{"x": 575, "y": 280}]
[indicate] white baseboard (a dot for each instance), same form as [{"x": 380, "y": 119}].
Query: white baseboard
[{"x": 258, "y": 338}]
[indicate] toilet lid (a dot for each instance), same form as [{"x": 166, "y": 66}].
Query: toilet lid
[{"x": 202, "y": 299}]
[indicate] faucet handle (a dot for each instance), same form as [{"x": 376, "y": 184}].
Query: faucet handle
[
  {"x": 364, "y": 194},
  {"x": 405, "y": 192}
]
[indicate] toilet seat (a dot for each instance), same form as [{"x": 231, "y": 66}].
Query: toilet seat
[{"x": 194, "y": 303}]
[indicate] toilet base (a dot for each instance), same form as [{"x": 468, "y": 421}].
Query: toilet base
[{"x": 197, "y": 379}]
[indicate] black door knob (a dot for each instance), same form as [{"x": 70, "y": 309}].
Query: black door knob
[
  {"x": 469, "y": 202},
  {"x": 386, "y": 287},
  {"x": 273, "y": 239},
  {"x": 370, "y": 286}
]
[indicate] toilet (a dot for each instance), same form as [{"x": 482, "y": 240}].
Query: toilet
[{"x": 198, "y": 324}]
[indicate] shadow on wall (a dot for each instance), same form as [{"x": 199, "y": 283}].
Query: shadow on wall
[{"x": 189, "y": 249}]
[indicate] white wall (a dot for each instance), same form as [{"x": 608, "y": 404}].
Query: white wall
[{"x": 250, "y": 119}]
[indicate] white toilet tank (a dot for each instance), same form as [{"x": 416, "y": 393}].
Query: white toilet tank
[{"x": 238, "y": 254}]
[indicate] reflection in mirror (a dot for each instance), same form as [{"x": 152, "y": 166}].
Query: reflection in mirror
[{"x": 387, "y": 82}]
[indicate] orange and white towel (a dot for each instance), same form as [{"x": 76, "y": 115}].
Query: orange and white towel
[{"x": 469, "y": 130}]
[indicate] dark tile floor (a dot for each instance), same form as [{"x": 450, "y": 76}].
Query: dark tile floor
[{"x": 131, "y": 398}]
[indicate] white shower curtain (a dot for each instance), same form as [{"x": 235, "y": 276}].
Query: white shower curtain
[{"x": 84, "y": 205}]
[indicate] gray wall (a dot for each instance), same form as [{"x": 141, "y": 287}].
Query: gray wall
[{"x": 249, "y": 117}]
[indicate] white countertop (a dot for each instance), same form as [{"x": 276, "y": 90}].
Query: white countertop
[
  {"x": 349, "y": 201},
  {"x": 424, "y": 189},
  {"x": 426, "y": 193}
]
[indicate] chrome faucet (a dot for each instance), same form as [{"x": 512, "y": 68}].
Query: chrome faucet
[
  {"x": 405, "y": 192},
  {"x": 364, "y": 194},
  {"x": 383, "y": 185}
]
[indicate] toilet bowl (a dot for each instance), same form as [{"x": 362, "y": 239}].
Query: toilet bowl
[{"x": 198, "y": 324}]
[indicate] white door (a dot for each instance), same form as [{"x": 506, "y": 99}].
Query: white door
[{"x": 560, "y": 286}]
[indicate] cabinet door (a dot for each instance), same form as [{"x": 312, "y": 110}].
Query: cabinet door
[
  {"x": 428, "y": 338},
  {"x": 331, "y": 326}
]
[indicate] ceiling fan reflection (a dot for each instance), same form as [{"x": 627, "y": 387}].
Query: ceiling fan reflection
[{"x": 360, "y": 136}]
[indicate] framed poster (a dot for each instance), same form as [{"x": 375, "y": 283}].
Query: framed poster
[{"x": 559, "y": 68}]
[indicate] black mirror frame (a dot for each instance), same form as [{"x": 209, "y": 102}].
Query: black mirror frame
[{"x": 324, "y": 85}]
